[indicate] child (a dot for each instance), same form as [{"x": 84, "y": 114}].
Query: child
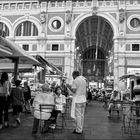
[
  {"x": 17, "y": 98},
  {"x": 60, "y": 102}
]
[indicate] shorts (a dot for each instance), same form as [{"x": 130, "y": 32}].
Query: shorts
[{"x": 17, "y": 109}]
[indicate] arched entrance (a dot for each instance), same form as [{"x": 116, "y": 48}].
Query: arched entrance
[{"x": 94, "y": 40}]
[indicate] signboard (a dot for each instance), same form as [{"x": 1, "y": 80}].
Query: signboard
[{"x": 133, "y": 70}]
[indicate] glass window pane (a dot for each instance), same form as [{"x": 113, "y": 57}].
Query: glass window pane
[
  {"x": 54, "y": 47},
  {"x": 135, "y": 22},
  {"x": 135, "y": 47},
  {"x": 25, "y": 47}
]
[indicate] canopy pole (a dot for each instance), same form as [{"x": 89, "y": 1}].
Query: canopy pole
[{"x": 16, "y": 62}]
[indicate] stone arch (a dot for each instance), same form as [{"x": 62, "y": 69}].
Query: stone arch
[
  {"x": 8, "y": 23},
  {"x": 27, "y": 18},
  {"x": 108, "y": 17}
]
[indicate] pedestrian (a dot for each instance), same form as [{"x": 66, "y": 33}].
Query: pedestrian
[
  {"x": 43, "y": 97},
  {"x": 89, "y": 95},
  {"x": 78, "y": 88},
  {"x": 60, "y": 103},
  {"x": 115, "y": 97},
  {"x": 17, "y": 99},
  {"x": 5, "y": 88},
  {"x": 27, "y": 97},
  {"x": 64, "y": 88}
]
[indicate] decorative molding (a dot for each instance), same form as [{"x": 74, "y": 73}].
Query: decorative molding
[
  {"x": 122, "y": 15},
  {"x": 68, "y": 16},
  {"x": 94, "y": 10},
  {"x": 43, "y": 17}
]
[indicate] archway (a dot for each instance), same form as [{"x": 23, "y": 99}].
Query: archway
[{"x": 94, "y": 40}]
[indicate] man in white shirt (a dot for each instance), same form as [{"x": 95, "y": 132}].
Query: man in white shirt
[{"x": 79, "y": 101}]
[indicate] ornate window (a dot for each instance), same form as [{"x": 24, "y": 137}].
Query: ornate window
[
  {"x": 26, "y": 28},
  {"x": 133, "y": 22},
  {"x": 4, "y": 31},
  {"x": 56, "y": 24}
]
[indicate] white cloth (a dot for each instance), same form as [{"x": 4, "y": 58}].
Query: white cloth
[
  {"x": 73, "y": 107},
  {"x": 59, "y": 102},
  {"x": 80, "y": 85},
  {"x": 136, "y": 98},
  {"x": 43, "y": 98},
  {"x": 115, "y": 98}
]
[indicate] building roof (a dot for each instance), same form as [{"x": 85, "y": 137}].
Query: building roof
[{"x": 18, "y": 0}]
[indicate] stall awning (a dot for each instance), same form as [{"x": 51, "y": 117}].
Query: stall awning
[
  {"x": 18, "y": 52},
  {"x": 9, "y": 67},
  {"x": 49, "y": 66},
  {"x": 5, "y": 51}
]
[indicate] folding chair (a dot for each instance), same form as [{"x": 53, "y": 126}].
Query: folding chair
[
  {"x": 62, "y": 116},
  {"x": 131, "y": 120},
  {"x": 45, "y": 108},
  {"x": 134, "y": 120}
]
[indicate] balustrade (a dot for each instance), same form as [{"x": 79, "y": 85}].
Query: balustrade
[{"x": 35, "y": 4}]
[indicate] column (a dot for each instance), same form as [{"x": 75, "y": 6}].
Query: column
[
  {"x": 119, "y": 66},
  {"x": 115, "y": 59},
  {"x": 69, "y": 57}
]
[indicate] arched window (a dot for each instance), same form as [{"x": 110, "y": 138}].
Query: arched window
[
  {"x": 26, "y": 28},
  {"x": 4, "y": 31}
]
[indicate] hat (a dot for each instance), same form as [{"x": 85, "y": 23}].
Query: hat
[{"x": 45, "y": 86}]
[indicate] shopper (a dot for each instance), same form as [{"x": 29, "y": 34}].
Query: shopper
[
  {"x": 17, "y": 99},
  {"x": 5, "y": 88},
  {"x": 27, "y": 97}
]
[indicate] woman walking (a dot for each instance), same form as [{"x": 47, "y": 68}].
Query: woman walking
[
  {"x": 17, "y": 98},
  {"x": 4, "y": 99}
]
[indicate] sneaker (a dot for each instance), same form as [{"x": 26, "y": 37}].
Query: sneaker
[
  {"x": 18, "y": 121},
  {"x": 52, "y": 126},
  {"x": 6, "y": 125},
  {"x": 0, "y": 126},
  {"x": 109, "y": 116},
  {"x": 75, "y": 132}
]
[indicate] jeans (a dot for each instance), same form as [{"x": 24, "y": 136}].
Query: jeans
[
  {"x": 79, "y": 116},
  {"x": 4, "y": 106}
]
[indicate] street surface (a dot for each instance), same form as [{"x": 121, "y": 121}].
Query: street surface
[{"x": 97, "y": 126}]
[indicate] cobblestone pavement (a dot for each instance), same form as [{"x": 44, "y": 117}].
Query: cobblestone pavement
[{"x": 97, "y": 126}]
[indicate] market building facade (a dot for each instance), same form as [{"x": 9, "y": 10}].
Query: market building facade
[{"x": 98, "y": 37}]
